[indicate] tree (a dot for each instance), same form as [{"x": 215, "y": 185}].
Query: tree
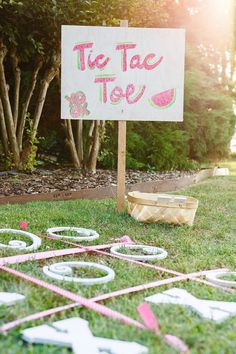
[
  {"x": 209, "y": 118},
  {"x": 28, "y": 64},
  {"x": 210, "y": 27},
  {"x": 84, "y": 147},
  {"x": 208, "y": 112},
  {"x": 30, "y": 60},
  {"x": 210, "y": 68}
]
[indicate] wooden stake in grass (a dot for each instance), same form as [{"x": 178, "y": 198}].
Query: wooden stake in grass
[{"x": 121, "y": 155}]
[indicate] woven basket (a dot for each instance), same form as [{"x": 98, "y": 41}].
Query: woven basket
[{"x": 153, "y": 207}]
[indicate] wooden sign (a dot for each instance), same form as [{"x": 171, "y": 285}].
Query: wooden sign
[{"x": 121, "y": 73}]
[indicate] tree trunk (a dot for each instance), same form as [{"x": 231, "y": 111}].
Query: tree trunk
[
  {"x": 25, "y": 105},
  {"x": 71, "y": 143},
  {"x": 7, "y": 109},
  {"x": 3, "y": 135},
  {"x": 49, "y": 75},
  {"x": 93, "y": 156},
  {"x": 223, "y": 66},
  {"x": 75, "y": 145},
  {"x": 90, "y": 139},
  {"x": 17, "y": 80},
  {"x": 74, "y": 140},
  {"x": 79, "y": 139}
]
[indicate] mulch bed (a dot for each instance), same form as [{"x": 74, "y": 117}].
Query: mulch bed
[{"x": 69, "y": 179}]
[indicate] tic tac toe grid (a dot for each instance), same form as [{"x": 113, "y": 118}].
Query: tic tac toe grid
[{"x": 92, "y": 303}]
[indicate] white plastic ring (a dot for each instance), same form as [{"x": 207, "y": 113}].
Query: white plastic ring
[
  {"x": 62, "y": 270},
  {"x": 83, "y": 234},
  {"x": 18, "y": 244},
  {"x": 154, "y": 252},
  {"x": 214, "y": 278}
]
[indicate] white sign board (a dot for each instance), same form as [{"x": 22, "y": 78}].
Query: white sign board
[{"x": 115, "y": 73}]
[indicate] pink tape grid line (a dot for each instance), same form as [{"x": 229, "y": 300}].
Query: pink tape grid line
[
  {"x": 160, "y": 269},
  {"x": 81, "y": 249},
  {"x": 21, "y": 258},
  {"x": 90, "y": 303}
]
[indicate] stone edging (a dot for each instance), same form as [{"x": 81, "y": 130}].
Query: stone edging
[{"x": 168, "y": 185}]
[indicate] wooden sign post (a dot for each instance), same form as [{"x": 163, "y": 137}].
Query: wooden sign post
[
  {"x": 121, "y": 155},
  {"x": 121, "y": 165}
]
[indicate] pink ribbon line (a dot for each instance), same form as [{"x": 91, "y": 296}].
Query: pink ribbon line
[
  {"x": 91, "y": 249},
  {"x": 147, "y": 265},
  {"x": 36, "y": 316},
  {"x": 153, "y": 284},
  {"x": 88, "y": 303},
  {"x": 21, "y": 258},
  {"x": 72, "y": 296},
  {"x": 81, "y": 249}
]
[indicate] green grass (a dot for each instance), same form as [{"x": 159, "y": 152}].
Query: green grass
[
  {"x": 230, "y": 277},
  {"x": 134, "y": 252},
  {"x": 210, "y": 243}
]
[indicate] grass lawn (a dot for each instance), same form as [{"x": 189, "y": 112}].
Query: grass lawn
[{"x": 210, "y": 243}]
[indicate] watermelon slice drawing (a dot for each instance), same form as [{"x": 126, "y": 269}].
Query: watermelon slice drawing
[{"x": 163, "y": 99}]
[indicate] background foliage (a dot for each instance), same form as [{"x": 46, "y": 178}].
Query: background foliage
[{"x": 32, "y": 29}]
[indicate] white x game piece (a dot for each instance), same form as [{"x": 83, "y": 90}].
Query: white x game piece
[
  {"x": 9, "y": 299},
  {"x": 211, "y": 310},
  {"x": 75, "y": 333},
  {"x": 80, "y": 335}
]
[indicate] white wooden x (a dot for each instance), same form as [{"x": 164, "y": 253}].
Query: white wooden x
[
  {"x": 208, "y": 309},
  {"x": 75, "y": 333},
  {"x": 9, "y": 299}
]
